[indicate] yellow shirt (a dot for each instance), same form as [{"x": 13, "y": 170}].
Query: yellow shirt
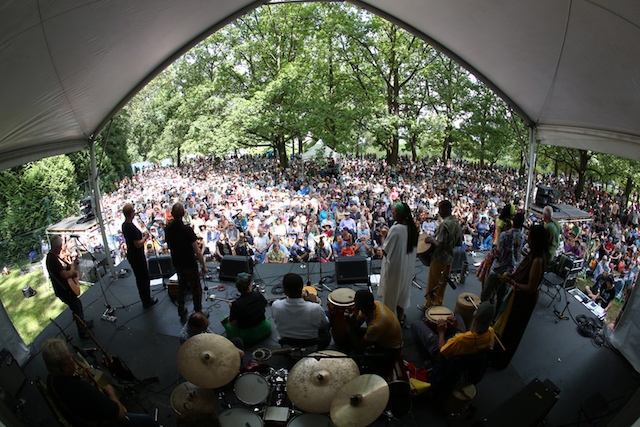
[{"x": 384, "y": 328}]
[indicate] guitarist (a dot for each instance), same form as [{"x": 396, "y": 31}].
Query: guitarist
[
  {"x": 82, "y": 401},
  {"x": 64, "y": 279}
]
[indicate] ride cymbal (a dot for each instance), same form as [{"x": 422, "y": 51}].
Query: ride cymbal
[
  {"x": 208, "y": 360},
  {"x": 313, "y": 381},
  {"x": 360, "y": 402},
  {"x": 189, "y": 397}
]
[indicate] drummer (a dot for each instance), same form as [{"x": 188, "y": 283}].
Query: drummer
[
  {"x": 452, "y": 339},
  {"x": 382, "y": 338},
  {"x": 199, "y": 324}
]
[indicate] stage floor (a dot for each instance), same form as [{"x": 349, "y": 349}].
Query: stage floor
[{"x": 147, "y": 340}]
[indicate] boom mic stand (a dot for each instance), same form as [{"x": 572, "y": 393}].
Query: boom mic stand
[{"x": 109, "y": 311}]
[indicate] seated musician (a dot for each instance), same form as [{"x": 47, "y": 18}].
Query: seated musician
[
  {"x": 246, "y": 317},
  {"x": 199, "y": 324},
  {"x": 382, "y": 338},
  {"x": 79, "y": 398},
  {"x": 299, "y": 320},
  {"x": 603, "y": 292},
  {"x": 451, "y": 338}
]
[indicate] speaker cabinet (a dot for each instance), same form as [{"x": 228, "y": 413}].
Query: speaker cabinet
[
  {"x": 350, "y": 270},
  {"x": 11, "y": 376},
  {"x": 231, "y": 265},
  {"x": 544, "y": 195},
  {"x": 160, "y": 267}
]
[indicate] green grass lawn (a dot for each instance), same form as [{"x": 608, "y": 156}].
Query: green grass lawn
[{"x": 30, "y": 315}]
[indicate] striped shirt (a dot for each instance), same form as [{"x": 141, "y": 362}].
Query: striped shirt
[{"x": 383, "y": 328}]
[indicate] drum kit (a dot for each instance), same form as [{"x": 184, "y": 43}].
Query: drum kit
[{"x": 324, "y": 388}]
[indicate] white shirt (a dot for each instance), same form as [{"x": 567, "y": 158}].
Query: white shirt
[{"x": 297, "y": 318}]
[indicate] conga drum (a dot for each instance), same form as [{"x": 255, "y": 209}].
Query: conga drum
[
  {"x": 341, "y": 306},
  {"x": 465, "y": 307},
  {"x": 460, "y": 398},
  {"x": 433, "y": 314},
  {"x": 312, "y": 291},
  {"x": 424, "y": 250}
]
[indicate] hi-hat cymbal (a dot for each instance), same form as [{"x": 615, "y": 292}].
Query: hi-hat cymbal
[
  {"x": 313, "y": 381},
  {"x": 208, "y": 360},
  {"x": 189, "y": 397},
  {"x": 360, "y": 402}
]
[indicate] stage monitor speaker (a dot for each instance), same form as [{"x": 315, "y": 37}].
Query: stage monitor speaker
[
  {"x": 350, "y": 270},
  {"x": 231, "y": 265},
  {"x": 11, "y": 376},
  {"x": 101, "y": 259},
  {"x": 161, "y": 267}
]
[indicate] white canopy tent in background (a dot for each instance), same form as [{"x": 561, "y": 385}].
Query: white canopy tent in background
[
  {"x": 569, "y": 68},
  {"x": 320, "y": 151}
]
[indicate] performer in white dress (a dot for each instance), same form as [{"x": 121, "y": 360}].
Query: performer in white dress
[{"x": 398, "y": 261}]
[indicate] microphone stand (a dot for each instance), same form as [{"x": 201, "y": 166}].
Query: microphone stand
[{"x": 109, "y": 311}]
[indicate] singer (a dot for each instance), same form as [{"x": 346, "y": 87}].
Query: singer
[
  {"x": 135, "y": 254},
  {"x": 448, "y": 236}
]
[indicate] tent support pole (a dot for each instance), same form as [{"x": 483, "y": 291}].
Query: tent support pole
[
  {"x": 532, "y": 167},
  {"x": 96, "y": 207}
]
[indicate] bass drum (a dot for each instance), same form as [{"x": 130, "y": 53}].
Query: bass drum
[
  {"x": 235, "y": 417},
  {"x": 311, "y": 420}
]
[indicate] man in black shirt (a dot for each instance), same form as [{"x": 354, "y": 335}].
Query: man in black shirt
[
  {"x": 248, "y": 310},
  {"x": 59, "y": 275},
  {"x": 135, "y": 254},
  {"x": 183, "y": 244},
  {"x": 604, "y": 292}
]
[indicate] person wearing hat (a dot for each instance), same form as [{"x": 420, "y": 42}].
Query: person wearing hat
[
  {"x": 185, "y": 252},
  {"x": 451, "y": 338},
  {"x": 300, "y": 251},
  {"x": 348, "y": 223}
]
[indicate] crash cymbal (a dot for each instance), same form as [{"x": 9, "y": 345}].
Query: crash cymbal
[
  {"x": 360, "y": 402},
  {"x": 208, "y": 360},
  {"x": 189, "y": 397},
  {"x": 313, "y": 381}
]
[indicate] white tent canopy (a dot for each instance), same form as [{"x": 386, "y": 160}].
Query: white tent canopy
[
  {"x": 570, "y": 67},
  {"x": 320, "y": 151}
]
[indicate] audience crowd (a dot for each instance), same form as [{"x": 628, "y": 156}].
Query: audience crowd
[{"x": 320, "y": 211}]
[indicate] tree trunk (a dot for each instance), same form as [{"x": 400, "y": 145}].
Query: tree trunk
[
  {"x": 179, "y": 159},
  {"x": 392, "y": 157},
  {"x": 627, "y": 190},
  {"x": 281, "y": 148},
  {"x": 446, "y": 146},
  {"x": 413, "y": 141},
  {"x": 582, "y": 172}
]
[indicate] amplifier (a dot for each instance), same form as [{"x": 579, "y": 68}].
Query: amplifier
[
  {"x": 526, "y": 408},
  {"x": 161, "y": 266},
  {"x": 11, "y": 376},
  {"x": 351, "y": 270},
  {"x": 172, "y": 287},
  {"x": 231, "y": 265}
]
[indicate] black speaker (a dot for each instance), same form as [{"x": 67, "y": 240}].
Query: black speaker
[
  {"x": 161, "y": 267},
  {"x": 231, "y": 265},
  {"x": 11, "y": 376},
  {"x": 101, "y": 259},
  {"x": 544, "y": 195},
  {"x": 350, "y": 270}
]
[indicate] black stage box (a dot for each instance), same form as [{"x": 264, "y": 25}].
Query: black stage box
[
  {"x": 231, "y": 265},
  {"x": 526, "y": 408},
  {"x": 11, "y": 377},
  {"x": 161, "y": 267},
  {"x": 350, "y": 270}
]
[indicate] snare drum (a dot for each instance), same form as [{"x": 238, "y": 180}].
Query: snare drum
[
  {"x": 341, "y": 305},
  {"x": 435, "y": 313},
  {"x": 252, "y": 389},
  {"x": 311, "y": 420},
  {"x": 234, "y": 417}
]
